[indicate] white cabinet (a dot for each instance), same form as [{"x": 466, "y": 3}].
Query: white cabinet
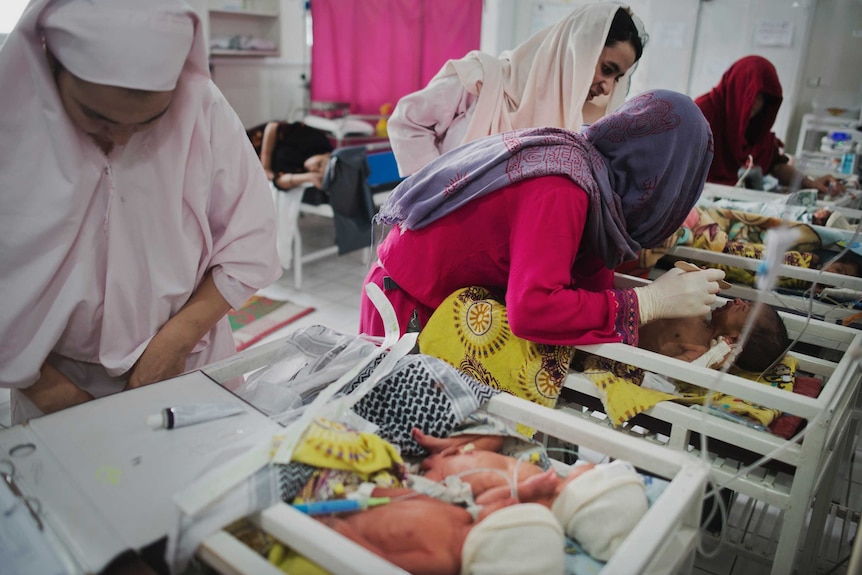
[{"x": 244, "y": 28}]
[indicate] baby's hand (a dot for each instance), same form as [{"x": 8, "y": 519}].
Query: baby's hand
[
  {"x": 535, "y": 486},
  {"x": 691, "y": 351},
  {"x": 720, "y": 351},
  {"x": 436, "y": 444},
  {"x": 457, "y": 444}
]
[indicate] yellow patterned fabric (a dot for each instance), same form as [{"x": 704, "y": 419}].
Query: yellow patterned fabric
[
  {"x": 741, "y": 234},
  {"x": 756, "y": 251},
  {"x": 470, "y": 331},
  {"x": 622, "y": 398},
  {"x": 717, "y": 224},
  {"x": 618, "y": 386},
  {"x": 331, "y": 445},
  {"x": 292, "y": 562}
]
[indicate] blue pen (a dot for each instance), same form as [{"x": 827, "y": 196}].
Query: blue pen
[{"x": 338, "y": 505}]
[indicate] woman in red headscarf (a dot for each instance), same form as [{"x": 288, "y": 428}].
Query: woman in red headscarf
[{"x": 741, "y": 111}]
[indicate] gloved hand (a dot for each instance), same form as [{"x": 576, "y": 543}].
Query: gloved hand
[{"x": 678, "y": 294}]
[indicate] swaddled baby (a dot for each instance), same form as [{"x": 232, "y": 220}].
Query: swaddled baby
[{"x": 598, "y": 508}]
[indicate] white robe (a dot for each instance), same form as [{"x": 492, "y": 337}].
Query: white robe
[{"x": 97, "y": 252}]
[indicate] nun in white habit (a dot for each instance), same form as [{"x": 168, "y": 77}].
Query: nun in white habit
[{"x": 134, "y": 213}]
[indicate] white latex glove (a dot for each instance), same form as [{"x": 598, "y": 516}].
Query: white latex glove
[{"x": 678, "y": 294}]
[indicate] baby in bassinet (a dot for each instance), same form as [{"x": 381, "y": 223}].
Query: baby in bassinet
[
  {"x": 598, "y": 506},
  {"x": 690, "y": 338},
  {"x": 424, "y": 535}
]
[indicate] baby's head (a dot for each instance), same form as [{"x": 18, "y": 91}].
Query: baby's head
[
  {"x": 601, "y": 506},
  {"x": 768, "y": 338},
  {"x": 523, "y": 538},
  {"x": 688, "y": 338},
  {"x": 849, "y": 265}
]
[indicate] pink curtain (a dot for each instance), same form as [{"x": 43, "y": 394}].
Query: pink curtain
[{"x": 372, "y": 52}]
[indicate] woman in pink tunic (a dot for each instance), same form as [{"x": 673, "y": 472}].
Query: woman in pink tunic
[
  {"x": 134, "y": 212},
  {"x": 543, "y": 215}
]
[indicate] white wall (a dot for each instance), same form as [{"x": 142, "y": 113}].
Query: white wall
[
  {"x": 832, "y": 70},
  {"x": 691, "y": 43},
  {"x": 263, "y": 89}
]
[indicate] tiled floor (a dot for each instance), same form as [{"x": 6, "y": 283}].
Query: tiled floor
[{"x": 332, "y": 286}]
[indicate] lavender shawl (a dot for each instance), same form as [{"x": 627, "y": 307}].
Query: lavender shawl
[{"x": 643, "y": 167}]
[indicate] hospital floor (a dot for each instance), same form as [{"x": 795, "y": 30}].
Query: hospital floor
[{"x": 332, "y": 286}]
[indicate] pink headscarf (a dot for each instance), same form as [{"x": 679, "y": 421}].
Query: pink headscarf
[{"x": 98, "y": 252}]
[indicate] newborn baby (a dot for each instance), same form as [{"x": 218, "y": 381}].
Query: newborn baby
[
  {"x": 598, "y": 506},
  {"x": 689, "y": 338},
  {"x": 427, "y": 536}
]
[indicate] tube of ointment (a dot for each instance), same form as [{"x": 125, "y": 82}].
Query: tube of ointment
[
  {"x": 173, "y": 417},
  {"x": 339, "y": 505}
]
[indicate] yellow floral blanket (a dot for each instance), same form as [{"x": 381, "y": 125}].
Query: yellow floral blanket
[
  {"x": 742, "y": 234},
  {"x": 619, "y": 388},
  {"x": 470, "y": 331}
]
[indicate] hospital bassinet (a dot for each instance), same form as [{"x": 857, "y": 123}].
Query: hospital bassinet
[
  {"x": 803, "y": 471},
  {"x": 663, "y": 542},
  {"x": 843, "y": 294},
  {"x": 850, "y": 288},
  {"x": 848, "y": 203}
]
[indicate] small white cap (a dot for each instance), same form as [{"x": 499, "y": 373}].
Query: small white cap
[{"x": 155, "y": 421}]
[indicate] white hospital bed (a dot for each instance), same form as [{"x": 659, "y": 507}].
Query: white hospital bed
[
  {"x": 663, "y": 542},
  {"x": 290, "y": 208},
  {"x": 812, "y": 463}
]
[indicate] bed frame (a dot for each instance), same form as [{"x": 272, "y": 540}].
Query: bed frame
[
  {"x": 827, "y": 311},
  {"x": 383, "y": 177},
  {"x": 804, "y": 472},
  {"x": 847, "y": 204},
  {"x": 663, "y": 542},
  {"x": 830, "y": 312}
]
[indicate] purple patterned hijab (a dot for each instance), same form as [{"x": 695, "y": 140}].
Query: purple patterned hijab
[{"x": 643, "y": 167}]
